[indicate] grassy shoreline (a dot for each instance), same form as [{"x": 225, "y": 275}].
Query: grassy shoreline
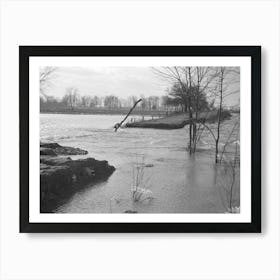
[{"x": 177, "y": 121}]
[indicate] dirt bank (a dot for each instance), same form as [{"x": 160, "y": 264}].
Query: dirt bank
[{"x": 60, "y": 176}]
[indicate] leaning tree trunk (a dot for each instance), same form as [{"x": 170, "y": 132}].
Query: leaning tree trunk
[{"x": 118, "y": 125}]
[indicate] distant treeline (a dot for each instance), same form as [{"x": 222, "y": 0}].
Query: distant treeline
[{"x": 73, "y": 101}]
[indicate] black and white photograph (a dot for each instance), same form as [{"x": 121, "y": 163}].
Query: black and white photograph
[
  {"x": 139, "y": 139},
  {"x": 127, "y": 136}
]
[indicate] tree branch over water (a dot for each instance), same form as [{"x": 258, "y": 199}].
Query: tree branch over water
[{"x": 118, "y": 125}]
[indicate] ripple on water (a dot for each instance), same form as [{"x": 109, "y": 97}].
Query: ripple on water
[{"x": 180, "y": 183}]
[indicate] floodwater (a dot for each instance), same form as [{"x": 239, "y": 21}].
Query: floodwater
[{"x": 177, "y": 182}]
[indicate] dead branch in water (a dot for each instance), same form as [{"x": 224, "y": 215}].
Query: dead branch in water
[{"x": 118, "y": 125}]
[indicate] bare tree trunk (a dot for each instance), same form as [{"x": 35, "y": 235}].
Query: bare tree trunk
[
  {"x": 190, "y": 136},
  {"x": 190, "y": 113},
  {"x": 233, "y": 178},
  {"x": 196, "y": 110},
  {"x": 219, "y": 115},
  {"x": 217, "y": 151}
]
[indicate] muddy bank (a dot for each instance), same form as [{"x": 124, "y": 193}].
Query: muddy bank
[
  {"x": 61, "y": 177},
  {"x": 177, "y": 121}
]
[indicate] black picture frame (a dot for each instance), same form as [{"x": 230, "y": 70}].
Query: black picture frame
[{"x": 25, "y": 52}]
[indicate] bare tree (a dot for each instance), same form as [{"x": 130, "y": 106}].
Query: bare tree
[
  {"x": 179, "y": 76},
  {"x": 221, "y": 83},
  {"x": 111, "y": 101},
  {"x": 95, "y": 101},
  {"x": 71, "y": 98},
  {"x": 200, "y": 90},
  {"x": 223, "y": 86},
  {"x": 86, "y": 101},
  {"x": 46, "y": 73},
  {"x": 225, "y": 77},
  {"x": 188, "y": 88}
]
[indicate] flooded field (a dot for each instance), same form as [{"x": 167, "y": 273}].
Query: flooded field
[{"x": 176, "y": 181}]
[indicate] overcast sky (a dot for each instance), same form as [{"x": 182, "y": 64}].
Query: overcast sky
[{"x": 119, "y": 81}]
